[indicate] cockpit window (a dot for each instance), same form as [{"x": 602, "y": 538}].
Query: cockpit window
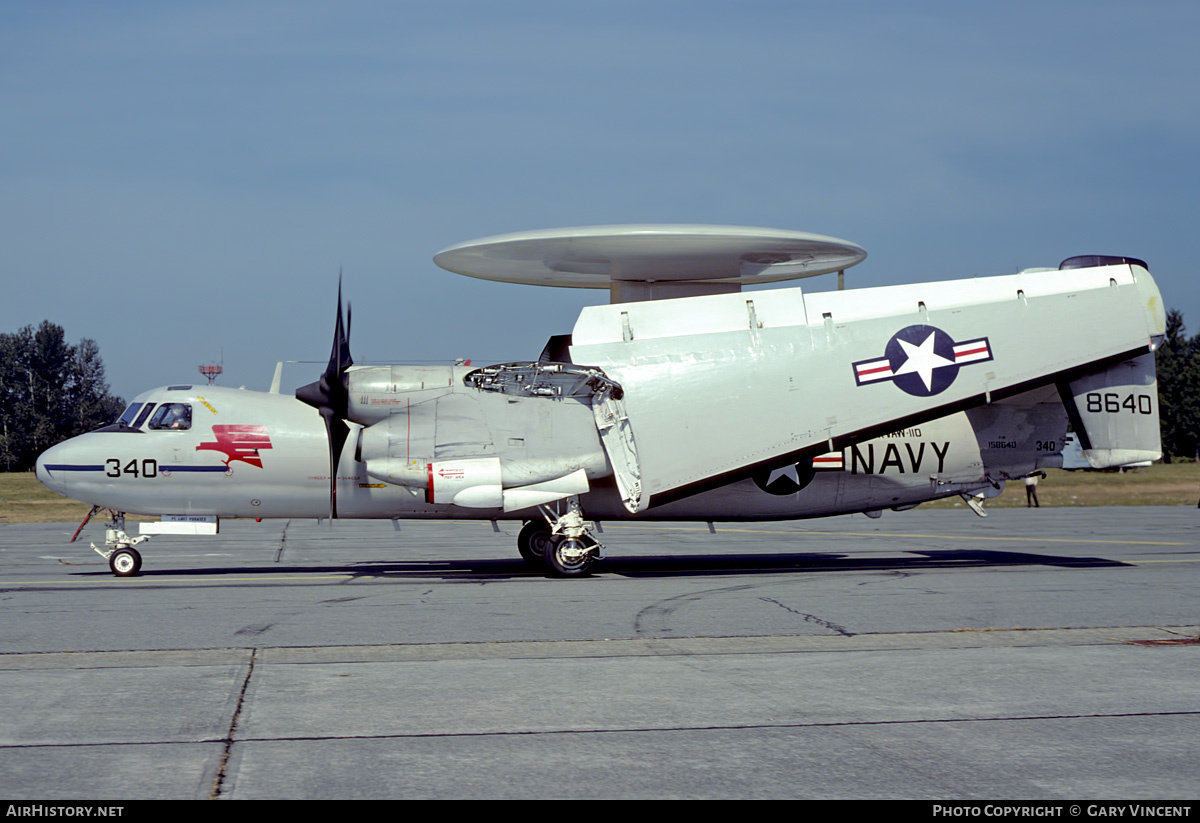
[
  {"x": 141, "y": 418},
  {"x": 177, "y": 416},
  {"x": 127, "y": 417}
]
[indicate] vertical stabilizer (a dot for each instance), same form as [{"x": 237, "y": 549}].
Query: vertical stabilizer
[{"x": 1114, "y": 413}]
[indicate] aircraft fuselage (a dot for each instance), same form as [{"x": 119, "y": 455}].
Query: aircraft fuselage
[{"x": 260, "y": 455}]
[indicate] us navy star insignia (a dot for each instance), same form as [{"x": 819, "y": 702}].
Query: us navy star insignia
[
  {"x": 788, "y": 471},
  {"x": 922, "y": 360}
]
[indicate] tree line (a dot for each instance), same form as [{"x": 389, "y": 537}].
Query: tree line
[
  {"x": 49, "y": 390},
  {"x": 1177, "y": 361}
]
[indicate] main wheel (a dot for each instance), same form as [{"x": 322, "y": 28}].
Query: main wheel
[
  {"x": 569, "y": 557},
  {"x": 125, "y": 562},
  {"x": 532, "y": 542}
]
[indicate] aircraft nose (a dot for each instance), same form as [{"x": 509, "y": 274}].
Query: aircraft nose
[{"x": 50, "y": 469}]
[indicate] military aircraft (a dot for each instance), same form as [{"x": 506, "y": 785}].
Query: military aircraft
[{"x": 685, "y": 398}]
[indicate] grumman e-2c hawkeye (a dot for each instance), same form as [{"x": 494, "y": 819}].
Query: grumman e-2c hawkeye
[{"x": 683, "y": 399}]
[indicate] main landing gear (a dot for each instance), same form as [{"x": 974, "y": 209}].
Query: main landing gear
[
  {"x": 563, "y": 543},
  {"x": 123, "y": 559}
]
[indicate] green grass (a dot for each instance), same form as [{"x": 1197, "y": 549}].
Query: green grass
[
  {"x": 24, "y": 500},
  {"x": 1175, "y": 484}
]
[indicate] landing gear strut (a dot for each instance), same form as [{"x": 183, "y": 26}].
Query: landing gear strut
[
  {"x": 563, "y": 543},
  {"x": 123, "y": 559}
]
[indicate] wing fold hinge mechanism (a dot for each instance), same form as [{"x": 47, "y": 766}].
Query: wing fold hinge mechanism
[{"x": 616, "y": 434}]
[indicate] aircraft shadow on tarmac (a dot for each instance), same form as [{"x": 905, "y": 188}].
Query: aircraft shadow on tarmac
[{"x": 658, "y": 565}]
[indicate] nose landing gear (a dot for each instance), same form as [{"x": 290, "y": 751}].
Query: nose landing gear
[{"x": 123, "y": 559}]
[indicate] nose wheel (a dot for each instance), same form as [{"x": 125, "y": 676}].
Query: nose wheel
[{"x": 125, "y": 562}]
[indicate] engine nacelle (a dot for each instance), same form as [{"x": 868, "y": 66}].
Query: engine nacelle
[
  {"x": 508, "y": 436},
  {"x": 375, "y": 392}
]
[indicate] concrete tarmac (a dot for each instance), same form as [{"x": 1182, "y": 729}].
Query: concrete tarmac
[{"x": 1037, "y": 654}]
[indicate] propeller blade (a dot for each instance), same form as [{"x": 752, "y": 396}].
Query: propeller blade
[
  {"x": 339, "y": 357},
  {"x": 331, "y": 397},
  {"x": 337, "y": 432}
]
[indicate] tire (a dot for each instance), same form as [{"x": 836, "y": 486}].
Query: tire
[
  {"x": 125, "y": 562},
  {"x": 562, "y": 557},
  {"x": 531, "y": 542}
]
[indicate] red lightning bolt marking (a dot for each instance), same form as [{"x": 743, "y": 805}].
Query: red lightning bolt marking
[{"x": 239, "y": 443}]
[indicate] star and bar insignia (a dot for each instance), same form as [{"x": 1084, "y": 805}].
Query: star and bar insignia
[{"x": 922, "y": 360}]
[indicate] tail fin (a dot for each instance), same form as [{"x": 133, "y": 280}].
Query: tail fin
[{"x": 1114, "y": 413}]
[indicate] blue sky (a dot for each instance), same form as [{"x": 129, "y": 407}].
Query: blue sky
[{"x": 182, "y": 181}]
